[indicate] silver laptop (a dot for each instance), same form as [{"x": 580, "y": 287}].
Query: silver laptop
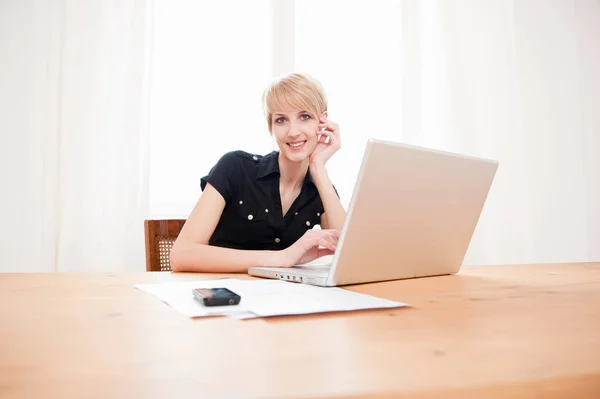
[{"x": 412, "y": 214}]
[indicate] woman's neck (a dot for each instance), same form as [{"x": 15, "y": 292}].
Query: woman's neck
[{"x": 292, "y": 173}]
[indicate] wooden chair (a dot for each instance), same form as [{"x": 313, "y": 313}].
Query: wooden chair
[{"x": 160, "y": 236}]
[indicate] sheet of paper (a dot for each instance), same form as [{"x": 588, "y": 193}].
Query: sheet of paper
[
  {"x": 263, "y": 298},
  {"x": 179, "y": 296},
  {"x": 276, "y": 297}
]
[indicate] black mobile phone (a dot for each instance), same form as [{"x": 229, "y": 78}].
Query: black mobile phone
[{"x": 216, "y": 296}]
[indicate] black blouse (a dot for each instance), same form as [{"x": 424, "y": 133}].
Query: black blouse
[{"x": 253, "y": 217}]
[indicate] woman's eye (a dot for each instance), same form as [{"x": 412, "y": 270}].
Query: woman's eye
[
  {"x": 305, "y": 117},
  {"x": 279, "y": 120}
]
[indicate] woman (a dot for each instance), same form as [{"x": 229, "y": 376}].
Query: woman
[{"x": 261, "y": 210}]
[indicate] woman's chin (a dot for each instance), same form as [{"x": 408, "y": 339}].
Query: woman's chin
[{"x": 296, "y": 156}]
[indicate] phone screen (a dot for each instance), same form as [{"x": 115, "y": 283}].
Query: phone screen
[{"x": 215, "y": 292}]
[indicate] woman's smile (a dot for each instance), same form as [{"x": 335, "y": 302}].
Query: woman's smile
[{"x": 296, "y": 145}]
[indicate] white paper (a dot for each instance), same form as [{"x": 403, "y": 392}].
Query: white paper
[
  {"x": 263, "y": 298},
  {"x": 179, "y": 296}
]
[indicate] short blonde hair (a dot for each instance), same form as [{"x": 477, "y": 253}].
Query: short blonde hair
[{"x": 294, "y": 91}]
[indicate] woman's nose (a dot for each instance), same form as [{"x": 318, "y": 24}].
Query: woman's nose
[{"x": 295, "y": 130}]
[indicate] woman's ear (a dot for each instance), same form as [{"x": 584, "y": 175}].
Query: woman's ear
[{"x": 324, "y": 115}]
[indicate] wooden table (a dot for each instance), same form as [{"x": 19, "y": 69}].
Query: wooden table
[{"x": 489, "y": 332}]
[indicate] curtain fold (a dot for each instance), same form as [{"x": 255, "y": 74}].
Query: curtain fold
[
  {"x": 103, "y": 142},
  {"x": 75, "y": 153},
  {"x": 513, "y": 81}
]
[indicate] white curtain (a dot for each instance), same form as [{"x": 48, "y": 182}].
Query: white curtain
[
  {"x": 110, "y": 112},
  {"x": 74, "y": 148},
  {"x": 515, "y": 81}
]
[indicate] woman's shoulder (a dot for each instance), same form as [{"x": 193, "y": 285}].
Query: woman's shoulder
[{"x": 239, "y": 156}]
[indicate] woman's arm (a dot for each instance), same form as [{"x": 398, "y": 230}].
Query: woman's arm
[
  {"x": 191, "y": 252},
  {"x": 334, "y": 214}
]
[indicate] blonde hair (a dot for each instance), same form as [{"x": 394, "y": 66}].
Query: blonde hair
[{"x": 296, "y": 91}]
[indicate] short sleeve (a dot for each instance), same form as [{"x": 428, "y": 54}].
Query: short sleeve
[{"x": 223, "y": 176}]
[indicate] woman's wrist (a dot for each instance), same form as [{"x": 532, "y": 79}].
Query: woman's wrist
[
  {"x": 318, "y": 170},
  {"x": 275, "y": 258}
]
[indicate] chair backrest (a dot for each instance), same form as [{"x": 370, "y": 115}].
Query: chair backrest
[{"x": 160, "y": 236}]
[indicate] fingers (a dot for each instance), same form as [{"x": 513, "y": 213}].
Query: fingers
[
  {"x": 321, "y": 238},
  {"x": 324, "y": 137},
  {"x": 331, "y": 131},
  {"x": 326, "y": 239},
  {"x": 328, "y": 137},
  {"x": 327, "y": 244},
  {"x": 324, "y": 252},
  {"x": 331, "y": 238},
  {"x": 329, "y": 126},
  {"x": 327, "y": 233},
  {"x": 335, "y": 233},
  {"x": 313, "y": 244}
]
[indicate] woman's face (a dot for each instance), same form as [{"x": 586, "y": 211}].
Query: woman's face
[{"x": 296, "y": 134}]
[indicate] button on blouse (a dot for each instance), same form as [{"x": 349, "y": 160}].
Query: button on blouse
[{"x": 253, "y": 218}]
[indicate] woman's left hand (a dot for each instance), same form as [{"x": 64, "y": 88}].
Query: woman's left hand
[{"x": 324, "y": 150}]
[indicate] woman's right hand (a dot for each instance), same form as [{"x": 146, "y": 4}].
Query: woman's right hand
[{"x": 308, "y": 248}]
